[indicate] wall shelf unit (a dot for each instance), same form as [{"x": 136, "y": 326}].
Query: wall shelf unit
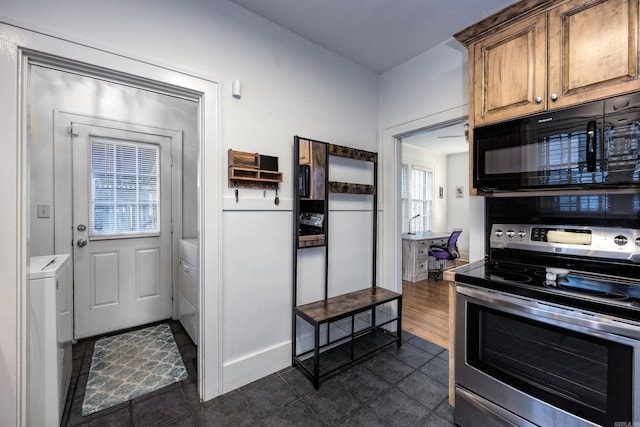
[
  {"x": 253, "y": 170},
  {"x": 341, "y": 329}
]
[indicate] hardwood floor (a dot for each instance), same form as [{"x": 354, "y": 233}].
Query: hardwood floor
[{"x": 425, "y": 310}]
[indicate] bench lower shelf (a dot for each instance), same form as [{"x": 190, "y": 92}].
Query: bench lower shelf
[
  {"x": 336, "y": 358},
  {"x": 346, "y": 328}
]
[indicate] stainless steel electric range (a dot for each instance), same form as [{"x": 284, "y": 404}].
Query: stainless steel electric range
[{"x": 548, "y": 328}]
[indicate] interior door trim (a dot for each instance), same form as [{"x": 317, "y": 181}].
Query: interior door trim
[{"x": 19, "y": 44}]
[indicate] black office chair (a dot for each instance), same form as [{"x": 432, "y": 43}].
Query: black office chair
[{"x": 446, "y": 252}]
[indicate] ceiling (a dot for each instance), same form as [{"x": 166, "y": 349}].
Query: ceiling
[
  {"x": 449, "y": 139},
  {"x": 377, "y": 34}
]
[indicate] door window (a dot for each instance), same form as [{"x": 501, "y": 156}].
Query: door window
[{"x": 124, "y": 189}]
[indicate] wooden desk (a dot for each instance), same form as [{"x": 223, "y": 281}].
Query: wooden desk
[{"x": 415, "y": 253}]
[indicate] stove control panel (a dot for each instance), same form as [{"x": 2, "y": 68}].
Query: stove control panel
[{"x": 605, "y": 242}]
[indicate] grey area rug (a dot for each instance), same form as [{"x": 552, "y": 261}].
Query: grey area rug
[{"x": 129, "y": 365}]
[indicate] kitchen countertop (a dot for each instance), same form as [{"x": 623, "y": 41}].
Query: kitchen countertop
[
  {"x": 424, "y": 235},
  {"x": 450, "y": 274}
]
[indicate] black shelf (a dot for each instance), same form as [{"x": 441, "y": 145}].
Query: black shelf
[{"x": 342, "y": 355}]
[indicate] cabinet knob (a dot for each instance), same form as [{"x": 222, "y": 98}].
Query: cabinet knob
[
  {"x": 538, "y": 99},
  {"x": 554, "y": 96}
]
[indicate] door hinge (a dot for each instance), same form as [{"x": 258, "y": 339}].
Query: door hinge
[
  {"x": 172, "y": 160},
  {"x": 172, "y": 227},
  {"x": 71, "y": 132}
]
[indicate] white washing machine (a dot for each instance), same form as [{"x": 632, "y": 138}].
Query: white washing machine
[
  {"x": 189, "y": 287},
  {"x": 49, "y": 338}
]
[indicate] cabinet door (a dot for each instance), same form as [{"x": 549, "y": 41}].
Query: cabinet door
[
  {"x": 509, "y": 74},
  {"x": 593, "y": 50}
]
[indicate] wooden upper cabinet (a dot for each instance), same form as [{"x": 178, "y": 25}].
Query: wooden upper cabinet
[
  {"x": 509, "y": 72},
  {"x": 538, "y": 55},
  {"x": 593, "y": 50}
]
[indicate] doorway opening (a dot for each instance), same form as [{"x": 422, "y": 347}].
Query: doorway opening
[
  {"x": 106, "y": 183},
  {"x": 48, "y": 189},
  {"x": 434, "y": 174},
  {"x": 106, "y": 179},
  {"x": 434, "y": 180}
]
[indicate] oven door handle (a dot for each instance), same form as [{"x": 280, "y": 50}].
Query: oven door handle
[
  {"x": 472, "y": 408},
  {"x": 592, "y": 132},
  {"x": 624, "y": 331}
]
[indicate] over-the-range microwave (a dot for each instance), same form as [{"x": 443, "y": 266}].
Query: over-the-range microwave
[{"x": 594, "y": 145}]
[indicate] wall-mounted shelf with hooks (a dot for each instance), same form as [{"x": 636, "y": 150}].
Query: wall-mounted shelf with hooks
[{"x": 253, "y": 170}]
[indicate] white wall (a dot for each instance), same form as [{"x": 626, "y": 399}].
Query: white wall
[
  {"x": 458, "y": 208},
  {"x": 432, "y": 82},
  {"x": 290, "y": 87}
]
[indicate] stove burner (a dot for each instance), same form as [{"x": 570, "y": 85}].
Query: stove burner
[
  {"x": 613, "y": 294},
  {"x": 507, "y": 276},
  {"x": 509, "y": 267}
]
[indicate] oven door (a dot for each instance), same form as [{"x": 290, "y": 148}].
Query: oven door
[{"x": 546, "y": 364}]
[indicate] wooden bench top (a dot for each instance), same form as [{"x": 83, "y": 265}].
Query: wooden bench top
[{"x": 344, "y": 305}]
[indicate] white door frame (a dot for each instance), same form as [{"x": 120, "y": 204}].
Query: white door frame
[{"x": 18, "y": 46}]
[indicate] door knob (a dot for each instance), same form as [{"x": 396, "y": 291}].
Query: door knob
[
  {"x": 538, "y": 99},
  {"x": 81, "y": 243},
  {"x": 554, "y": 96}
]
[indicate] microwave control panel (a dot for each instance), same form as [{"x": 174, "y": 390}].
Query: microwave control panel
[{"x": 622, "y": 148}]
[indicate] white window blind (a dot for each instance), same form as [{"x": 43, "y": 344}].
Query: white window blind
[
  {"x": 124, "y": 189},
  {"x": 416, "y": 198}
]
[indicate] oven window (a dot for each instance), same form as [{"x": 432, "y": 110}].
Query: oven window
[{"x": 585, "y": 375}]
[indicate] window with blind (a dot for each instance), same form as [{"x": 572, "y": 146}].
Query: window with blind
[
  {"x": 416, "y": 198},
  {"x": 124, "y": 189}
]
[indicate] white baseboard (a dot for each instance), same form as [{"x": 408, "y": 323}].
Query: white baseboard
[{"x": 239, "y": 372}]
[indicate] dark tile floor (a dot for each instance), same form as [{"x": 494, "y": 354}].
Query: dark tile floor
[{"x": 394, "y": 387}]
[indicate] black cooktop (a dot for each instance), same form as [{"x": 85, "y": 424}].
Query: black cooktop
[{"x": 600, "y": 293}]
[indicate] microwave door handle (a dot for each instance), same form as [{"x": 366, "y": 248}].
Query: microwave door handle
[{"x": 592, "y": 129}]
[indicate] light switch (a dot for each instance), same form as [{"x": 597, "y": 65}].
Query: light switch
[{"x": 44, "y": 211}]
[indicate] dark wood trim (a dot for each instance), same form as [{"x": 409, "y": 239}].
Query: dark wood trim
[
  {"x": 351, "y": 188},
  {"x": 352, "y": 153},
  {"x": 503, "y": 17}
]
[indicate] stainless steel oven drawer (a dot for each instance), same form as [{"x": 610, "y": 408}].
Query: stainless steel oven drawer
[{"x": 472, "y": 410}]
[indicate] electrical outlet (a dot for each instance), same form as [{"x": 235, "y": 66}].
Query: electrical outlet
[{"x": 44, "y": 211}]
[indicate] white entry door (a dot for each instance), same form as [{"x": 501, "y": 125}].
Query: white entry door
[{"x": 121, "y": 228}]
